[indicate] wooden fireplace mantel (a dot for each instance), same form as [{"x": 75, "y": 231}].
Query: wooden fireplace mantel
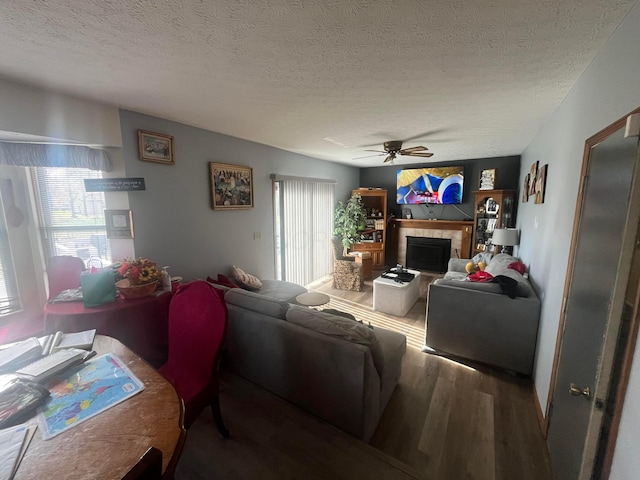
[{"x": 466, "y": 227}]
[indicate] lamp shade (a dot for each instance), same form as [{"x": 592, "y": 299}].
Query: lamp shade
[{"x": 507, "y": 237}]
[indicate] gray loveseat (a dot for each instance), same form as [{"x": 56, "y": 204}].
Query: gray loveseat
[
  {"x": 477, "y": 321},
  {"x": 323, "y": 363}
]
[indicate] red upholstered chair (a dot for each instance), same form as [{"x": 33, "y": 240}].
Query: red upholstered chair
[
  {"x": 197, "y": 327},
  {"x": 63, "y": 272}
]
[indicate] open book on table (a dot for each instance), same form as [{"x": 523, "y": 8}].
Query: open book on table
[
  {"x": 19, "y": 353},
  {"x": 60, "y": 341},
  {"x": 45, "y": 368}
]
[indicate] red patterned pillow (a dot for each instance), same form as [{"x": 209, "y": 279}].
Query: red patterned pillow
[
  {"x": 246, "y": 280},
  {"x": 222, "y": 280},
  {"x": 518, "y": 267},
  {"x": 226, "y": 281}
]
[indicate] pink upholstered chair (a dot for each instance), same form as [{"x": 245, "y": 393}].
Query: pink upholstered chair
[
  {"x": 63, "y": 272},
  {"x": 197, "y": 327}
]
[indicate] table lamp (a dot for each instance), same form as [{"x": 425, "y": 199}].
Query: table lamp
[{"x": 507, "y": 237}]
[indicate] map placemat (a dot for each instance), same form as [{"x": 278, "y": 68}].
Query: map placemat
[{"x": 86, "y": 391}]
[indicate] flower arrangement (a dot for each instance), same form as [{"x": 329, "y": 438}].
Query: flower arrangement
[{"x": 139, "y": 271}]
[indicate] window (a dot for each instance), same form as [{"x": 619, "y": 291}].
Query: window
[
  {"x": 71, "y": 220},
  {"x": 303, "y": 225},
  {"x": 9, "y": 298}
]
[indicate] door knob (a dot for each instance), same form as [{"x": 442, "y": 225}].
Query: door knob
[{"x": 576, "y": 391}]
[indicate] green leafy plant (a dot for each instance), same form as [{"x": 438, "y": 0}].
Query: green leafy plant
[{"x": 349, "y": 220}]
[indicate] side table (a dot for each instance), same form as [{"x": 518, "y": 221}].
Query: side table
[
  {"x": 366, "y": 260},
  {"x": 312, "y": 299}
]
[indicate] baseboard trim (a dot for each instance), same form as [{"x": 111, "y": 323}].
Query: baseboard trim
[{"x": 541, "y": 421}]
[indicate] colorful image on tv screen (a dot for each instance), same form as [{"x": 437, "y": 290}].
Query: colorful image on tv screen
[{"x": 441, "y": 185}]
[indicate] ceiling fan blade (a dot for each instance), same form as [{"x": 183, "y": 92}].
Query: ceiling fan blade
[
  {"x": 389, "y": 158},
  {"x": 428, "y": 133},
  {"x": 427, "y": 155},
  {"x": 369, "y": 156},
  {"x": 412, "y": 149}
]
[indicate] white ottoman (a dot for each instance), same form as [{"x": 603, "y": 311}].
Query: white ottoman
[{"x": 396, "y": 298}]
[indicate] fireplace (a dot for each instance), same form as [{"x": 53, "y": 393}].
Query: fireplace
[{"x": 430, "y": 254}]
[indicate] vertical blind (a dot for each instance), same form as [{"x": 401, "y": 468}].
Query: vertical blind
[
  {"x": 9, "y": 297},
  {"x": 304, "y": 217}
]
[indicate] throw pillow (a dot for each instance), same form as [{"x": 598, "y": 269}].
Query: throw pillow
[
  {"x": 518, "y": 267},
  {"x": 226, "y": 281},
  {"x": 246, "y": 280}
]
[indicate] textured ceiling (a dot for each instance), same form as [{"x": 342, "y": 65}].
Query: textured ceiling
[{"x": 326, "y": 78}]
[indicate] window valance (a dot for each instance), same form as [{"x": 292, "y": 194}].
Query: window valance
[{"x": 52, "y": 155}]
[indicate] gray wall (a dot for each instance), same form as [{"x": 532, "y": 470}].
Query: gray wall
[
  {"x": 507, "y": 178},
  {"x": 607, "y": 90},
  {"x": 173, "y": 220}
]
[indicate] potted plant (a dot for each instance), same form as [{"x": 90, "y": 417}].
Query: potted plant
[{"x": 350, "y": 219}]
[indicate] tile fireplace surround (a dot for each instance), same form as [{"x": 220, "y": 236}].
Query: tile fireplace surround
[{"x": 460, "y": 233}]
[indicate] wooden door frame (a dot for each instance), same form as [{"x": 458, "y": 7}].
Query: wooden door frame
[{"x": 635, "y": 321}]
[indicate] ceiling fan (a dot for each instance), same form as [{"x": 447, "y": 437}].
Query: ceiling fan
[{"x": 393, "y": 148}]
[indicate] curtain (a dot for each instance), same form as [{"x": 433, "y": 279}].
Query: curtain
[
  {"x": 304, "y": 223},
  {"x": 9, "y": 297},
  {"x": 48, "y": 155}
]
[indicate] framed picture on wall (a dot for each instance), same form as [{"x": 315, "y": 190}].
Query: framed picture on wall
[
  {"x": 488, "y": 179},
  {"x": 541, "y": 183},
  {"x": 231, "y": 186},
  {"x": 119, "y": 223},
  {"x": 533, "y": 175},
  {"x": 155, "y": 147},
  {"x": 525, "y": 189}
]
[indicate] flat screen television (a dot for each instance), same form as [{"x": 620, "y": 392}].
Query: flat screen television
[{"x": 439, "y": 185}]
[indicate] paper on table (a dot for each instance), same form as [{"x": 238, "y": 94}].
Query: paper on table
[
  {"x": 11, "y": 440},
  {"x": 31, "y": 430}
]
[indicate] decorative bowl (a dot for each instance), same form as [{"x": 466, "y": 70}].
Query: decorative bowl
[{"x": 131, "y": 292}]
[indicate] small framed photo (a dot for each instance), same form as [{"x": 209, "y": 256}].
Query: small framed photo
[
  {"x": 155, "y": 147},
  {"x": 119, "y": 223},
  {"x": 492, "y": 206},
  {"x": 533, "y": 177},
  {"x": 406, "y": 213},
  {"x": 231, "y": 186},
  {"x": 525, "y": 189},
  {"x": 541, "y": 184},
  {"x": 488, "y": 179}
]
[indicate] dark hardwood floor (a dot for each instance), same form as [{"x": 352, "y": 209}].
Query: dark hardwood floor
[{"x": 446, "y": 420}]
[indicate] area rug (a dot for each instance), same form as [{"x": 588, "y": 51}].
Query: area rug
[{"x": 414, "y": 334}]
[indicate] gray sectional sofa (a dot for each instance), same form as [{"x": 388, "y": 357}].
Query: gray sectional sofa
[
  {"x": 479, "y": 321},
  {"x": 334, "y": 367}
]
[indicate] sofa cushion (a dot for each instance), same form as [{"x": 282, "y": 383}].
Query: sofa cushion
[
  {"x": 257, "y": 302},
  {"x": 340, "y": 327},
  {"x": 394, "y": 346},
  {"x": 246, "y": 280},
  {"x": 281, "y": 290}
]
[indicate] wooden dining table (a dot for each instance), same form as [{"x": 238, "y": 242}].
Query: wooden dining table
[{"x": 107, "y": 445}]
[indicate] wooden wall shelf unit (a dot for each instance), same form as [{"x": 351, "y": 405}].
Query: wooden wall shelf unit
[
  {"x": 491, "y": 215},
  {"x": 375, "y": 202},
  {"x": 465, "y": 227}
]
